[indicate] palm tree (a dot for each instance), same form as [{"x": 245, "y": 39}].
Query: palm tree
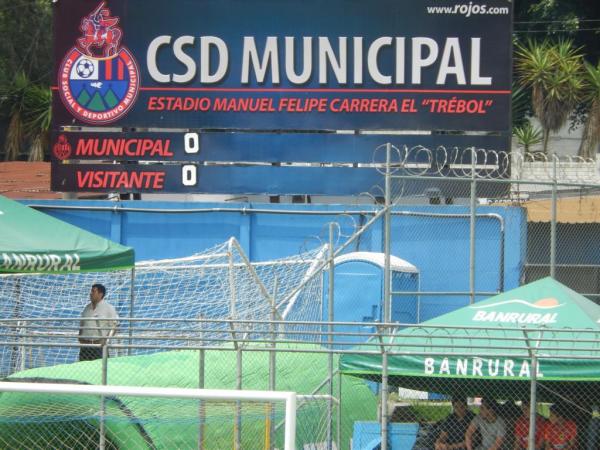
[
  {"x": 12, "y": 99},
  {"x": 591, "y": 130},
  {"x": 527, "y": 136},
  {"x": 554, "y": 74},
  {"x": 28, "y": 108},
  {"x": 520, "y": 105},
  {"x": 37, "y": 115}
]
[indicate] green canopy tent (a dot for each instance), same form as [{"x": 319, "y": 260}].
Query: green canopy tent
[
  {"x": 487, "y": 348},
  {"x": 34, "y": 242}
]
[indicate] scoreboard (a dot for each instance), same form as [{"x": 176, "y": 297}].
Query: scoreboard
[{"x": 155, "y": 96}]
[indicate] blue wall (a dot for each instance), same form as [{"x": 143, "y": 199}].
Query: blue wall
[{"x": 439, "y": 247}]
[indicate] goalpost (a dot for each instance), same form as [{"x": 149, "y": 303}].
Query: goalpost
[{"x": 235, "y": 397}]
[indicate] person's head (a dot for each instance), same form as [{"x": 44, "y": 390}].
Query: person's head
[
  {"x": 525, "y": 405},
  {"x": 97, "y": 293},
  {"x": 459, "y": 406},
  {"x": 488, "y": 409},
  {"x": 556, "y": 414}
]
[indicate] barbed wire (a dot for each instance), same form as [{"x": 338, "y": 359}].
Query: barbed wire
[{"x": 481, "y": 163}]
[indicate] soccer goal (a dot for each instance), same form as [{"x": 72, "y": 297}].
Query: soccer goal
[
  {"x": 40, "y": 312},
  {"x": 47, "y": 415}
]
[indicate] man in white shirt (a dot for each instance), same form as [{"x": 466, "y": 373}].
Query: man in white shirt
[{"x": 98, "y": 323}]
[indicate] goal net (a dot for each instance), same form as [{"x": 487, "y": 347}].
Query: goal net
[{"x": 158, "y": 299}]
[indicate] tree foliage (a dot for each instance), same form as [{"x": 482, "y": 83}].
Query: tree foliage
[
  {"x": 554, "y": 73},
  {"x": 528, "y": 136},
  {"x": 572, "y": 19},
  {"x": 27, "y": 106},
  {"x": 576, "y": 21},
  {"x": 25, "y": 73},
  {"x": 26, "y": 44},
  {"x": 591, "y": 130}
]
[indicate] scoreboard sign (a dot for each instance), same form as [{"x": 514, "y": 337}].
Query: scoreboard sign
[
  {"x": 226, "y": 162},
  {"x": 242, "y": 96},
  {"x": 285, "y": 65}
]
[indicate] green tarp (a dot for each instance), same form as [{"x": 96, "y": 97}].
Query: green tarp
[
  {"x": 484, "y": 347},
  {"x": 34, "y": 242},
  {"x": 33, "y": 420}
]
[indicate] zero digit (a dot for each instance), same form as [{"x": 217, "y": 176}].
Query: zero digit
[
  {"x": 191, "y": 143},
  {"x": 189, "y": 175}
]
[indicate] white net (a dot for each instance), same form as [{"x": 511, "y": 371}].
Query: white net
[{"x": 219, "y": 283}]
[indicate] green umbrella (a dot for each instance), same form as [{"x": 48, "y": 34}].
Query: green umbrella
[
  {"x": 484, "y": 348},
  {"x": 34, "y": 242}
]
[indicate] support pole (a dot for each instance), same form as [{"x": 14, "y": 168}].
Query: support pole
[
  {"x": 20, "y": 350},
  {"x": 290, "y": 422},
  {"x": 270, "y": 428},
  {"x": 339, "y": 411},
  {"x": 330, "y": 319},
  {"x": 201, "y": 381},
  {"x": 237, "y": 438},
  {"x": 232, "y": 289},
  {"x": 104, "y": 380},
  {"x": 386, "y": 294},
  {"x": 553, "y": 219},
  {"x": 532, "y": 350},
  {"x": 238, "y": 407},
  {"x": 384, "y": 400},
  {"x": 501, "y": 258},
  {"x": 386, "y": 237},
  {"x": 473, "y": 212},
  {"x": 532, "y": 403},
  {"x": 131, "y": 310}
]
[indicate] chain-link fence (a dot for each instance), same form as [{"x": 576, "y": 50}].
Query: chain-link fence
[
  {"x": 438, "y": 379},
  {"x": 541, "y": 211},
  {"x": 352, "y": 323}
]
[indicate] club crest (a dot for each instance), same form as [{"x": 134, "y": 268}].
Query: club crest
[
  {"x": 98, "y": 78},
  {"x": 62, "y": 149}
]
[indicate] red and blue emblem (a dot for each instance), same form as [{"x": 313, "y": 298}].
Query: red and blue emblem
[{"x": 98, "y": 80}]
